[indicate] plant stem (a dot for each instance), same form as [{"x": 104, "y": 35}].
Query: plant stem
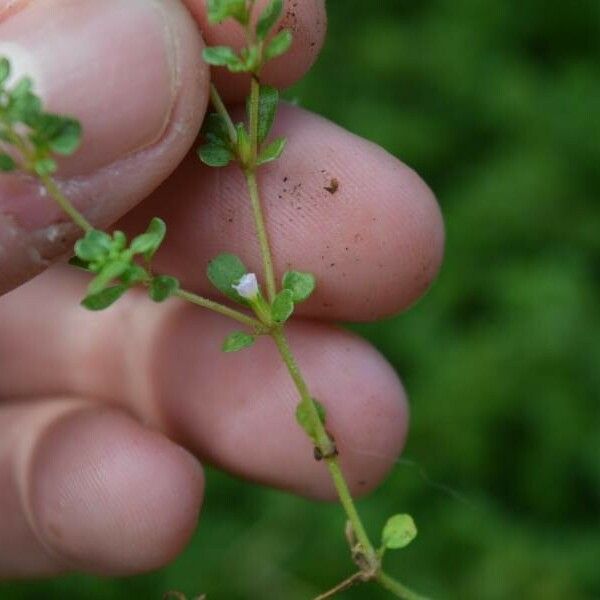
[
  {"x": 257, "y": 212},
  {"x": 65, "y": 205},
  {"x": 254, "y": 113},
  {"x": 368, "y": 561},
  {"x": 341, "y": 587},
  {"x": 262, "y": 235},
  {"x": 238, "y": 316},
  {"x": 46, "y": 180},
  {"x": 325, "y": 445},
  {"x": 396, "y": 588},
  {"x": 220, "y": 108}
]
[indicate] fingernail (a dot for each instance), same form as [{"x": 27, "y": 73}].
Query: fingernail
[{"x": 109, "y": 63}]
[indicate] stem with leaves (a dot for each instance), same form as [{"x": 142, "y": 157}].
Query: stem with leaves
[{"x": 34, "y": 138}]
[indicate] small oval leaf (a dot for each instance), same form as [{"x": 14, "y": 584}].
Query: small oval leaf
[
  {"x": 224, "y": 272},
  {"x": 283, "y": 306},
  {"x": 237, "y": 341},
  {"x": 105, "y": 298},
  {"x": 398, "y": 532},
  {"x": 163, "y": 287},
  {"x": 302, "y": 285}
]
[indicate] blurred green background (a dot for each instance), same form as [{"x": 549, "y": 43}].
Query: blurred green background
[{"x": 497, "y": 104}]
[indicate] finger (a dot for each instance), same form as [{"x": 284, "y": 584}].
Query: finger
[
  {"x": 88, "y": 488},
  {"x": 130, "y": 71},
  {"x": 336, "y": 205},
  {"x": 307, "y": 20},
  {"x": 163, "y": 363}
]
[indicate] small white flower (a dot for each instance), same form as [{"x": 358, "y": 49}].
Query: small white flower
[{"x": 247, "y": 287}]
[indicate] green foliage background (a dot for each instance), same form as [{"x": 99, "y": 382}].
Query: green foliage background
[{"x": 497, "y": 105}]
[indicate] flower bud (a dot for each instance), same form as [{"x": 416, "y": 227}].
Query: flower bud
[{"x": 247, "y": 287}]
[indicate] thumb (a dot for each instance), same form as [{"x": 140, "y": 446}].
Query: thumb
[{"x": 129, "y": 71}]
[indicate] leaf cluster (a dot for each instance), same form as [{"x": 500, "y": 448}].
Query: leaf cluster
[
  {"x": 223, "y": 146},
  {"x": 258, "y": 51},
  {"x": 37, "y": 136},
  {"x": 115, "y": 263},
  {"x": 225, "y": 272}
]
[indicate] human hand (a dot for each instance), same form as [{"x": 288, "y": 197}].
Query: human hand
[{"x": 96, "y": 409}]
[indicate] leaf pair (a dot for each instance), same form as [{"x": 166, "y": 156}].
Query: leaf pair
[
  {"x": 219, "y": 149},
  {"x": 297, "y": 287},
  {"x": 239, "y": 10},
  {"x": 220, "y": 10},
  {"x": 252, "y": 58}
]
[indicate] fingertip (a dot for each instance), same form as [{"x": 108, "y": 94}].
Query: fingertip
[
  {"x": 111, "y": 497},
  {"x": 414, "y": 237},
  {"x": 390, "y": 247}
]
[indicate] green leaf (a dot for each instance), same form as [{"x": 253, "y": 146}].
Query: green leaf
[
  {"x": 215, "y": 131},
  {"x": 94, "y": 246},
  {"x": 45, "y": 166},
  {"x": 134, "y": 275},
  {"x": 304, "y": 420},
  {"x": 148, "y": 243},
  {"x": 279, "y": 45},
  {"x": 222, "y": 56},
  {"x": 215, "y": 155},
  {"x": 67, "y": 138},
  {"x": 61, "y": 135},
  {"x": 75, "y": 261},
  {"x": 398, "y": 532},
  {"x": 238, "y": 341},
  {"x": 268, "y": 18},
  {"x": 267, "y": 109},
  {"x": 225, "y": 271},
  {"x": 272, "y": 152},
  {"x": 283, "y": 306},
  {"x": 23, "y": 106},
  {"x": 163, "y": 287},
  {"x": 219, "y": 10},
  {"x": 7, "y": 163},
  {"x": 22, "y": 89},
  {"x": 302, "y": 285},
  {"x": 244, "y": 145},
  {"x": 251, "y": 59},
  {"x": 110, "y": 271},
  {"x": 105, "y": 298},
  {"x": 4, "y": 69}
]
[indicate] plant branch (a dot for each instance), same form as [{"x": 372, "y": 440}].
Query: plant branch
[
  {"x": 65, "y": 205},
  {"x": 326, "y": 447},
  {"x": 257, "y": 212},
  {"x": 396, "y": 588},
  {"x": 371, "y": 570},
  {"x": 221, "y": 309},
  {"x": 342, "y": 587},
  {"x": 262, "y": 235},
  {"x": 254, "y": 114}
]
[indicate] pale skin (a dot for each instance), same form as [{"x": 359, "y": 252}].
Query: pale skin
[{"x": 106, "y": 419}]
